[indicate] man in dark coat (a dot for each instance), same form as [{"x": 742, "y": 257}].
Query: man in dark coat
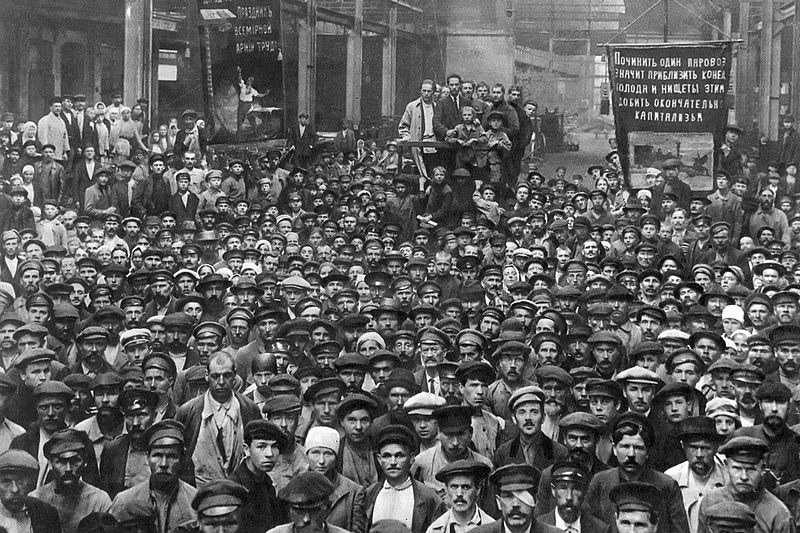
[
  {"x": 789, "y": 144},
  {"x": 303, "y": 138},
  {"x": 568, "y": 482},
  {"x": 151, "y": 195},
  {"x": 261, "y": 511},
  {"x": 191, "y": 138},
  {"x": 29, "y": 513},
  {"x": 633, "y": 437}
]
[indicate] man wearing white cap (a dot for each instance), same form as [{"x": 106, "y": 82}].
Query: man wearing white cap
[
  {"x": 639, "y": 386},
  {"x": 294, "y": 288},
  {"x": 347, "y": 501},
  {"x": 419, "y": 409}
]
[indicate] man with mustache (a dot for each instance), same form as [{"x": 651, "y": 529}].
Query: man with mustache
[
  {"x": 651, "y": 321},
  {"x": 530, "y": 446},
  {"x": 431, "y": 346},
  {"x": 400, "y": 496},
  {"x": 581, "y": 432},
  {"x": 746, "y": 379},
  {"x": 703, "y": 470},
  {"x": 633, "y": 437},
  {"x": 568, "y": 489},
  {"x": 123, "y": 462},
  {"x": 555, "y": 383},
  {"x": 163, "y": 496},
  {"x": 514, "y": 486},
  {"x": 761, "y": 354},
  {"x": 178, "y": 328},
  {"x": 107, "y": 424},
  {"x": 783, "y": 463},
  {"x": 474, "y": 378},
  {"x": 355, "y": 458},
  {"x": 21, "y": 512},
  {"x": 159, "y": 377},
  {"x": 746, "y": 458},
  {"x": 605, "y": 348},
  {"x": 511, "y": 359},
  {"x": 685, "y": 366},
  {"x": 580, "y": 377},
  {"x": 455, "y": 440},
  {"x": 785, "y": 341},
  {"x": 261, "y": 509},
  {"x": 92, "y": 343},
  {"x": 164, "y": 302},
  {"x": 463, "y": 481},
  {"x": 72, "y": 497}
]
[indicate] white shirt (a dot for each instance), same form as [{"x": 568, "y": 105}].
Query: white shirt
[
  {"x": 12, "y": 263},
  {"x": 90, "y": 169},
  {"x": 302, "y": 129},
  {"x": 427, "y": 111},
  {"x": 574, "y": 527},
  {"x": 395, "y": 504},
  {"x": 29, "y": 188}
]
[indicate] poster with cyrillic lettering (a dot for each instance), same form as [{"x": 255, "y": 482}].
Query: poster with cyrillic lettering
[
  {"x": 669, "y": 103},
  {"x": 242, "y": 61}
]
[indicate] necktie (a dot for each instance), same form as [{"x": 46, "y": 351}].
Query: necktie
[{"x": 432, "y": 386}]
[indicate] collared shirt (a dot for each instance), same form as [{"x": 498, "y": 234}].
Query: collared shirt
[
  {"x": 574, "y": 527},
  {"x": 395, "y": 503},
  {"x": 448, "y": 524}
]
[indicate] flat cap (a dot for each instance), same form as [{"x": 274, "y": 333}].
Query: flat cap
[
  {"x": 731, "y": 514},
  {"x": 14, "y": 460},
  {"x": 219, "y": 498},
  {"x": 160, "y": 361},
  {"x": 638, "y": 374},
  {"x": 553, "y": 373},
  {"x": 168, "y": 432},
  {"x": 423, "y": 403},
  {"x": 65, "y": 441},
  {"x": 465, "y": 467},
  {"x": 635, "y": 496},
  {"x": 325, "y": 386},
  {"x": 306, "y": 490},
  {"x": 137, "y": 398},
  {"x": 531, "y": 393},
  {"x": 582, "y": 420},
  {"x": 515, "y": 477},
  {"x": 282, "y": 403},
  {"x": 53, "y": 388},
  {"x": 744, "y": 449},
  {"x": 33, "y": 355},
  {"x": 397, "y": 434},
  {"x": 453, "y": 417}
]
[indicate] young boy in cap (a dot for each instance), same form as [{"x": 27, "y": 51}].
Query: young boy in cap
[
  {"x": 284, "y": 411},
  {"x": 419, "y": 410}
]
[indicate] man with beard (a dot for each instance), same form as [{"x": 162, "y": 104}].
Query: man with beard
[
  {"x": 746, "y": 379},
  {"x": 352, "y": 369},
  {"x": 556, "y": 384},
  {"x": 761, "y": 354},
  {"x": 18, "y": 510},
  {"x": 263, "y": 442},
  {"x": 159, "y": 377},
  {"x": 768, "y": 216},
  {"x": 215, "y": 421},
  {"x": 163, "y": 497},
  {"x": 651, "y": 322},
  {"x": 703, "y": 470},
  {"x": 511, "y": 358},
  {"x": 463, "y": 482},
  {"x": 72, "y": 497},
  {"x": 123, "y": 462},
  {"x": 640, "y": 386},
  {"x": 110, "y": 318},
  {"x": 162, "y": 285},
  {"x": 746, "y": 459},
  {"x": 567, "y": 486},
  {"x": 431, "y": 346},
  {"x": 107, "y": 424},
  {"x": 455, "y": 438},
  {"x": 580, "y": 378},
  {"x": 581, "y": 433},
  {"x": 92, "y": 343},
  {"x": 30, "y": 274},
  {"x": 474, "y": 378},
  {"x": 530, "y": 446},
  {"x": 783, "y": 464},
  {"x": 151, "y": 195},
  {"x": 605, "y": 349},
  {"x": 396, "y": 390},
  {"x": 283, "y": 410},
  {"x": 633, "y": 437},
  {"x": 419, "y": 411}
]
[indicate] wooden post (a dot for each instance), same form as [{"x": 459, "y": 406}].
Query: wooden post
[
  {"x": 764, "y": 71},
  {"x": 307, "y": 61},
  {"x": 137, "y": 49},
  {"x": 354, "y": 67},
  {"x": 744, "y": 85},
  {"x": 389, "y": 70},
  {"x": 795, "y": 88}
]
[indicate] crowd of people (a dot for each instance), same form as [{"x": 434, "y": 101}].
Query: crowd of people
[{"x": 428, "y": 336}]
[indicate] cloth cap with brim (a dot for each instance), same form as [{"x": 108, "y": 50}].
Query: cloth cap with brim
[
  {"x": 475, "y": 370},
  {"x": 64, "y": 442},
  {"x": 54, "y": 389},
  {"x": 745, "y": 449},
  {"x": 160, "y": 361},
  {"x": 730, "y": 514},
  {"x": 637, "y": 374},
  {"x": 699, "y": 427},
  {"x": 219, "y": 498},
  {"x": 397, "y": 434},
  {"x": 515, "y": 477},
  {"x": 282, "y": 403},
  {"x": 165, "y": 433},
  {"x": 773, "y": 391},
  {"x": 582, "y": 420},
  {"x": 531, "y": 393},
  {"x": 636, "y": 496},
  {"x": 92, "y": 333},
  {"x": 465, "y": 467},
  {"x": 323, "y": 387},
  {"x": 748, "y": 373},
  {"x": 355, "y": 402},
  {"x": 306, "y": 490},
  {"x": 264, "y": 430},
  {"x": 400, "y": 377},
  {"x": 33, "y": 355},
  {"x": 453, "y": 417},
  {"x": 14, "y": 460},
  {"x": 423, "y": 403},
  {"x": 136, "y": 399}
]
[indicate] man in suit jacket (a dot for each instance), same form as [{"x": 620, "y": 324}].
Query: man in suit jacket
[
  {"x": 191, "y": 137},
  {"x": 633, "y": 437},
  {"x": 303, "y": 138},
  {"x": 215, "y": 422},
  {"x": 447, "y": 114},
  {"x": 789, "y": 144},
  {"x": 515, "y": 485},
  {"x": 40, "y": 517},
  {"x": 345, "y": 139},
  {"x": 568, "y": 487},
  {"x": 48, "y": 177},
  {"x": 82, "y": 176},
  {"x": 151, "y": 195},
  {"x": 397, "y": 446},
  {"x": 184, "y": 202}
]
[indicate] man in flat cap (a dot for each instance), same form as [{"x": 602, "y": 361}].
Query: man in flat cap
[
  {"x": 284, "y": 411},
  {"x": 419, "y": 411},
  {"x": 746, "y": 457},
  {"x": 220, "y": 506},
  {"x": 72, "y": 497},
  {"x": 215, "y": 422},
  {"x": 633, "y": 437},
  {"x": 703, "y": 469},
  {"x": 92, "y": 343},
  {"x": 730, "y": 517},
  {"x": 355, "y": 457},
  {"x": 514, "y": 486},
  {"x": 567, "y": 482},
  {"x": 159, "y": 377},
  {"x": 455, "y": 443},
  {"x": 636, "y": 507},
  {"x": 400, "y": 497},
  {"x": 510, "y": 359},
  {"x": 432, "y": 343},
  {"x": 464, "y": 482},
  {"x": 163, "y": 497},
  {"x": 123, "y": 461},
  {"x": 107, "y": 424},
  {"x": 475, "y": 377},
  {"x": 307, "y": 497},
  {"x": 783, "y": 464},
  {"x": 530, "y": 446},
  {"x": 261, "y": 510},
  {"x": 18, "y": 511}
]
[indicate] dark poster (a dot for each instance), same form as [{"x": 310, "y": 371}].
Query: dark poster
[
  {"x": 243, "y": 70},
  {"x": 669, "y": 103}
]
